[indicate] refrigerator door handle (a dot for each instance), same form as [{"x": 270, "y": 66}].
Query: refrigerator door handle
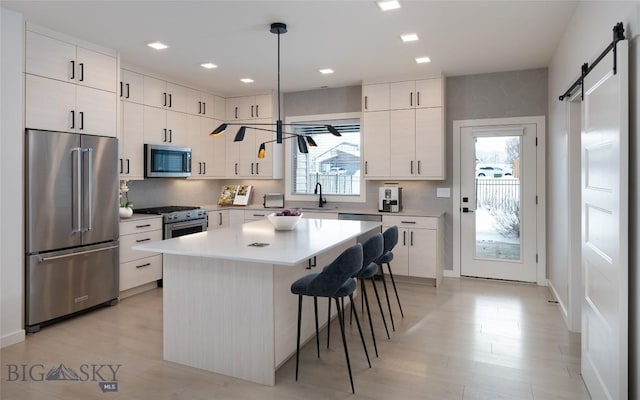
[
  {"x": 78, "y": 188},
  {"x": 45, "y": 259},
  {"x": 89, "y": 152}
]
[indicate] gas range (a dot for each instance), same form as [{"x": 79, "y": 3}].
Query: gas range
[{"x": 173, "y": 214}]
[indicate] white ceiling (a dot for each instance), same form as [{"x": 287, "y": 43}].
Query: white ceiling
[{"x": 354, "y": 38}]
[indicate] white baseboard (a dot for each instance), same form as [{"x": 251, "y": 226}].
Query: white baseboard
[
  {"x": 449, "y": 273},
  {"x": 137, "y": 290},
  {"x": 563, "y": 308},
  {"x": 12, "y": 338}
]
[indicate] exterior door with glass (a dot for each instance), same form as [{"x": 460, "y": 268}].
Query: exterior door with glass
[{"x": 498, "y": 202}]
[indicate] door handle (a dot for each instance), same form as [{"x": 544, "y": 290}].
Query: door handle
[
  {"x": 411, "y": 167},
  {"x": 220, "y": 219},
  {"x": 170, "y": 132},
  {"x": 257, "y": 112},
  {"x": 404, "y": 238},
  {"x": 419, "y": 173},
  {"x": 165, "y": 99},
  {"x": 411, "y": 235},
  {"x": 127, "y": 85},
  {"x": 236, "y": 112},
  {"x": 164, "y": 137},
  {"x": 204, "y": 168},
  {"x": 121, "y": 91},
  {"x": 81, "y": 119},
  {"x": 45, "y": 259},
  {"x": 143, "y": 265},
  {"x": 251, "y": 168},
  {"x": 169, "y": 100},
  {"x": 143, "y": 240},
  {"x": 236, "y": 168},
  {"x": 199, "y": 168},
  {"x": 89, "y": 152},
  {"x": 78, "y": 150},
  {"x": 418, "y": 98},
  {"x": 128, "y": 165},
  {"x": 411, "y": 99},
  {"x": 121, "y": 166},
  {"x": 199, "y": 107},
  {"x": 73, "y": 69},
  {"x": 366, "y": 169},
  {"x": 366, "y": 105},
  {"x": 73, "y": 119},
  {"x": 257, "y": 169},
  {"x": 466, "y": 210},
  {"x": 204, "y": 108},
  {"x": 81, "y": 65},
  {"x": 252, "y": 111}
]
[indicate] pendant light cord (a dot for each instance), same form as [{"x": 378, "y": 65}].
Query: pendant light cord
[{"x": 279, "y": 118}]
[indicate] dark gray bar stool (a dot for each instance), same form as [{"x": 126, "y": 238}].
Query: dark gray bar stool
[
  {"x": 334, "y": 282},
  {"x": 390, "y": 241}
]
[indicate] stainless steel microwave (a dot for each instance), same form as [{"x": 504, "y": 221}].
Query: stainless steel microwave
[{"x": 166, "y": 161}]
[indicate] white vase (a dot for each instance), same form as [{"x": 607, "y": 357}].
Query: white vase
[{"x": 126, "y": 212}]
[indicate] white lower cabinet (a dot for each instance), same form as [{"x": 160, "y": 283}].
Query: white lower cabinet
[
  {"x": 218, "y": 219},
  {"x": 319, "y": 215},
  {"x": 420, "y": 248},
  {"x": 254, "y": 215},
  {"x": 136, "y": 267}
]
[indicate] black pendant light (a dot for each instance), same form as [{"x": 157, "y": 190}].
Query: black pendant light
[{"x": 277, "y": 28}]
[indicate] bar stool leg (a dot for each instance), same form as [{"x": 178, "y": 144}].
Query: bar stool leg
[
  {"x": 366, "y": 300},
  {"x": 375, "y": 290},
  {"x": 344, "y": 342},
  {"x": 329, "y": 322},
  {"x": 315, "y": 309},
  {"x": 364, "y": 345},
  {"x": 298, "y": 338},
  {"x": 386, "y": 293},
  {"x": 393, "y": 281}
]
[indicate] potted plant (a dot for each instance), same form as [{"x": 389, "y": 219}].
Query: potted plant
[{"x": 126, "y": 207}]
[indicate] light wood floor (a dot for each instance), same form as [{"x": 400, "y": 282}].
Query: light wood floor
[{"x": 468, "y": 339}]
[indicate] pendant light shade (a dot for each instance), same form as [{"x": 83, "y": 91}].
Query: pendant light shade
[
  {"x": 262, "y": 150},
  {"x": 333, "y": 130},
  {"x": 311, "y": 142},
  {"x": 240, "y": 135},
  {"x": 219, "y": 130},
  {"x": 302, "y": 145}
]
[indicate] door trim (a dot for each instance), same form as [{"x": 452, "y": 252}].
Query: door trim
[{"x": 541, "y": 233}]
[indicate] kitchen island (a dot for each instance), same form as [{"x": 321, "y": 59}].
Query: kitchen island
[{"x": 227, "y": 304}]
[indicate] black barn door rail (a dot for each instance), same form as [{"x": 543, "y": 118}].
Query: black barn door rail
[{"x": 618, "y": 35}]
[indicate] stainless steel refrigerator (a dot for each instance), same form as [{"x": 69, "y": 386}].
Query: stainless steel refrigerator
[{"x": 71, "y": 224}]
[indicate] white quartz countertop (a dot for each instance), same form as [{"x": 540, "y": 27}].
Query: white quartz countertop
[{"x": 309, "y": 238}]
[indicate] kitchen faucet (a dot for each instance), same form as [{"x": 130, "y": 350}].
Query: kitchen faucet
[{"x": 321, "y": 201}]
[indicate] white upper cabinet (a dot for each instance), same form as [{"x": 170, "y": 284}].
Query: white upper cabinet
[
  {"x": 131, "y": 86},
  {"x": 249, "y": 107},
  {"x": 375, "y": 97},
  {"x": 402, "y": 95},
  {"x": 407, "y": 139},
  {"x": 182, "y": 99},
  {"x": 415, "y": 94},
  {"x": 131, "y": 146},
  {"x": 154, "y": 92},
  {"x": 56, "y": 59}
]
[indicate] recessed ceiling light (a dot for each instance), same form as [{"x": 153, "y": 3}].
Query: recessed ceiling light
[
  {"x": 388, "y": 5},
  {"x": 326, "y": 71},
  {"x": 409, "y": 37},
  {"x": 246, "y": 80},
  {"x": 158, "y": 45},
  {"x": 422, "y": 60},
  {"x": 209, "y": 65}
]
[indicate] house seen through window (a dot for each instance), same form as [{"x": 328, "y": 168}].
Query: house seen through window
[{"x": 334, "y": 162}]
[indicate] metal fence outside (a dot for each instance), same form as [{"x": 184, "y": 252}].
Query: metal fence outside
[
  {"x": 334, "y": 184},
  {"x": 500, "y": 193}
]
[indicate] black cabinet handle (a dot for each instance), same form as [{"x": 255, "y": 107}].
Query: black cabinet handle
[
  {"x": 418, "y": 97},
  {"x": 257, "y": 169},
  {"x": 251, "y": 168},
  {"x": 143, "y": 226},
  {"x": 258, "y": 215},
  {"x": 121, "y": 89},
  {"x": 204, "y": 108},
  {"x": 252, "y": 111},
  {"x": 165, "y": 99},
  {"x": 257, "y": 113},
  {"x": 312, "y": 264},
  {"x": 236, "y": 166},
  {"x": 73, "y": 69},
  {"x": 411, "y": 99},
  {"x": 411, "y": 167},
  {"x": 121, "y": 171},
  {"x": 199, "y": 107},
  {"x": 169, "y": 100},
  {"x": 143, "y": 240},
  {"x": 408, "y": 222},
  {"x": 220, "y": 218},
  {"x": 128, "y": 165},
  {"x": 199, "y": 168},
  {"x": 204, "y": 168},
  {"x": 143, "y": 265},
  {"x": 404, "y": 238},
  {"x": 366, "y": 105},
  {"x": 81, "y": 65},
  {"x": 411, "y": 235},
  {"x": 73, "y": 119},
  {"x": 127, "y": 90},
  {"x": 236, "y": 112},
  {"x": 81, "y": 119},
  {"x": 170, "y": 134},
  {"x": 164, "y": 136},
  {"x": 366, "y": 167},
  {"x": 419, "y": 164}
]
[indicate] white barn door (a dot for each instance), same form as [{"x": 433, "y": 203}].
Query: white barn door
[{"x": 605, "y": 165}]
